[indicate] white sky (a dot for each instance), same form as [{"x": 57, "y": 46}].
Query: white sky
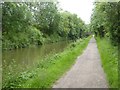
[{"x": 83, "y": 8}]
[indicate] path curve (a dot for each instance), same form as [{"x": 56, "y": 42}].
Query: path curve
[{"x": 87, "y": 72}]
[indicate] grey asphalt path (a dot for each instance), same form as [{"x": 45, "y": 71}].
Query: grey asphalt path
[{"x": 87, "y": 72}]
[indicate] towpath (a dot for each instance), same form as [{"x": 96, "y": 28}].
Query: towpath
[{"x": 87, "y": 72}]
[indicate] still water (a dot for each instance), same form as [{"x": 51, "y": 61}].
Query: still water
[{"x": 28, "y": 56}]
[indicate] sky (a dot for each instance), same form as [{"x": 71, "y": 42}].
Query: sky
[{"x": 83, "y": 8}]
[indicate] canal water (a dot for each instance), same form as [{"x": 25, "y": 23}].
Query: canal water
[{"x": 26, "y": 57}]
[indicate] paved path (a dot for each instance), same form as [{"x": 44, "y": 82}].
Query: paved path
[{"x": 87, "y": 72}]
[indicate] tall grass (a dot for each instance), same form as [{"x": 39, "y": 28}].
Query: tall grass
[
  {"x": 109, "y": 56},
  {"x": 48, "y": 70}
]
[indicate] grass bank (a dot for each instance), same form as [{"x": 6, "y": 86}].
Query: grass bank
[
  {"x": 109, "y": 57},
  {"x": 48, "y": 70}
]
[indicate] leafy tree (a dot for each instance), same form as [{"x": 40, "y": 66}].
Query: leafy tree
[
  {"x": 26, "y": 23},
  {"x": 46, "y": 16},
  {"x": 105, "y": 20},
  {"x": 16, "y": 20}
]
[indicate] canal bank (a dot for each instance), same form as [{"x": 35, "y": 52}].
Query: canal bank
[{"x": 48, "y": 70}]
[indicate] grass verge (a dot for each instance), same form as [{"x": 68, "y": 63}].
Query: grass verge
[
  {"x": 50, "y": 69},
  {"x": 109, "y": 57}
]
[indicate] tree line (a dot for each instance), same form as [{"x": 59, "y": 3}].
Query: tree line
[
  {"x": 25, "y": 23},
  {"x": 105, "y": 20}
]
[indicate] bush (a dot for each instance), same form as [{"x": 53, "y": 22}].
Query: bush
[{"x": 22, "y": 39}]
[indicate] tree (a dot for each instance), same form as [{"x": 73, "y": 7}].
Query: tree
[{"x": 105, "y": 20}]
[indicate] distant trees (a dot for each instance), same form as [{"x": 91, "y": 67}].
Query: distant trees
[
  {"x": 105, "y": 20},
  {"x": 26, "y": 23},
  {"x": 70, "y": 26}
]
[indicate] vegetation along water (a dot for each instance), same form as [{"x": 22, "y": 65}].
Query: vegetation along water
[{"x": 35, "y": 41}]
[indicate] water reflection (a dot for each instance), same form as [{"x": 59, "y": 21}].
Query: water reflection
[{"x": 28, "y": 56}]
